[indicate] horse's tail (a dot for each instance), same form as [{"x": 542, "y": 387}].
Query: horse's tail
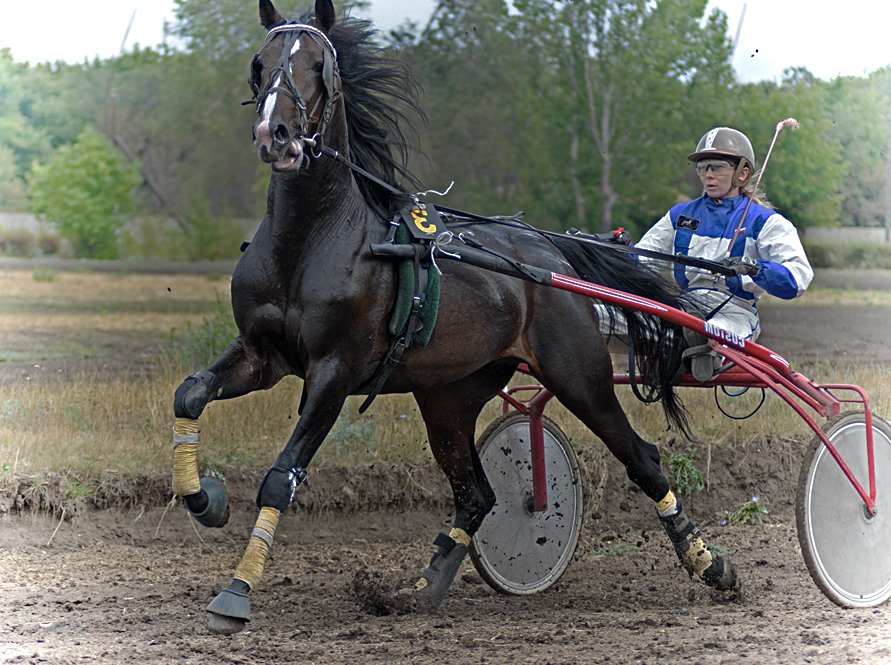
[{"x": 657, "y": 344}]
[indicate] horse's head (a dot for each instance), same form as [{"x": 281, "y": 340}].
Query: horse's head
[{"x": 296, "y": 84}]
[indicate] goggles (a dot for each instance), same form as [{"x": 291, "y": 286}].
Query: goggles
[{"x": 716, "y": 166}]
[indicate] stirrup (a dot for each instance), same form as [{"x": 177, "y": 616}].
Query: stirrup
[{"x": 702, "y": 362}]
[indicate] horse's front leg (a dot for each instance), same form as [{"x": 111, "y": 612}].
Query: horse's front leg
[
  {"x": 238, "y": 371},
  {"x": 325, "y": 392}
]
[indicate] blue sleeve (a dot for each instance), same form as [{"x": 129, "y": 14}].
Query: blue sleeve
[{"x": 776, "y": 279}]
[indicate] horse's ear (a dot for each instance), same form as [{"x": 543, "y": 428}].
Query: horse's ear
[
  {"x": 269, "y": 16},
  {"x": 325, "y": 15}
]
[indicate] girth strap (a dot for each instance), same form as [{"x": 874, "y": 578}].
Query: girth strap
[{"x": 403, "y": 340}]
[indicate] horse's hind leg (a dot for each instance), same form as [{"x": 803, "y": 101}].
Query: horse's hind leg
[
  {"x": 594, "y": 402},
  {"x": 450, "y": 414},
  {"x": 235, "y": 373}
]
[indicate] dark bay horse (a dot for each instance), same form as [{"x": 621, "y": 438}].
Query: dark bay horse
[{"x": 311, "y": 300}]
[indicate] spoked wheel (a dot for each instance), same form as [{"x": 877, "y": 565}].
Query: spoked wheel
[
  {"x": 518, "y": 551},
  {"x": 847, "y": 551}
]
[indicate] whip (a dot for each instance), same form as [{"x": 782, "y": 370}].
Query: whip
[{"x": 788, "y": 122}]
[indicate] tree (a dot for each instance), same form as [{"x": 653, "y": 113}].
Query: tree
[
  {"x": 805, "y": 173},
  {"x": 632, "y": 67},
  {"x": 491, "y": 116},
  {"x": 12, "y": 187},
  {"x": 859, "y": 109},
  {"x": 86, "y": 190},
  {"x": 20, "y": 141}
]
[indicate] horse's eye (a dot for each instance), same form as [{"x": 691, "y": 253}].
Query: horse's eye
[
  {"x": 256, "y": 68},
  {"x": 254, "y": 76},
  {"x": 319, "y": 67}
]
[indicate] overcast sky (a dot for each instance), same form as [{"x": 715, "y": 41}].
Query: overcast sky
[{"x": 829, "y": 38}]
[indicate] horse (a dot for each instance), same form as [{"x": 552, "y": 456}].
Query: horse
[{"x": 310, "y": 299}]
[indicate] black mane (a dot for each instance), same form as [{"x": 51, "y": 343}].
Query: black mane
[{"x": 381, "y": 99}]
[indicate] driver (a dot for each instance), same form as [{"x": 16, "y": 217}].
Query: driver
[{"x": 767, "y": 255}]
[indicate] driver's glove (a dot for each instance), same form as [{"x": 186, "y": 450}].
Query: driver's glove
[{"x": 741, "y": 265}]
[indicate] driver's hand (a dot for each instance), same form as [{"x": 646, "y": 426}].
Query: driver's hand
[{"x": 741, "y": 265}]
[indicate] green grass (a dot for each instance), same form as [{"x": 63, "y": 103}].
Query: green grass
[
  {"x": 615, "y": 549},
  {"x": 752, "y": 511}
]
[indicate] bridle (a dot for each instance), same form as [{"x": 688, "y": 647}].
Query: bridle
[{"x": 287, "y": 86}]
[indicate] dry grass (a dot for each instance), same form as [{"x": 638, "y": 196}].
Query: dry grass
[
  {"x": 830, "y": 297},
  {"x": 92, "y": 424}
]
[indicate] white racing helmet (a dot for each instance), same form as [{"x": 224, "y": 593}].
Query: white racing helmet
[{"x": 726, "y": 142}]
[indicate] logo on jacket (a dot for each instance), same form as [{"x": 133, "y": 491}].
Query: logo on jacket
[{"x": 687, "y": 223}]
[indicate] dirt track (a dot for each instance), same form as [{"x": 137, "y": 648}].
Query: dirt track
[
  {"x": 108, "y": 590},
  {"x": 131, "y": 586}
]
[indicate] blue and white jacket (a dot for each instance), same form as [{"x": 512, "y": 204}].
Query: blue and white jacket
[{"x": 704, "y": 227}]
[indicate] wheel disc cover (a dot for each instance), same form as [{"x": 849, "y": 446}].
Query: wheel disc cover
[
  {"x": 524, "y": 549},
  {"x": 851, "y": 550}
]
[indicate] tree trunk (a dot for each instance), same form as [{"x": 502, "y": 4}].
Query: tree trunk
[{"x": 580, "y": 212}]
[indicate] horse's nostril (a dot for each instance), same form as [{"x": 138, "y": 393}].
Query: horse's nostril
[{"x": 281, "y": 135}]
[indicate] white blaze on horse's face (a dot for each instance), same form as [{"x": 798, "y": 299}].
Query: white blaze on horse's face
[{"x": 268, "y": 105}]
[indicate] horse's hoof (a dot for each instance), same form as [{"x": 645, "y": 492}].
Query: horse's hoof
[
  {"x": 405, "y": 601},
  {"x": 228, "y": 608},
  {"x": 721, "y": 575},
  {"x": 224, "y": 625},
  {"x": 434, "y": 584},
  {"x": 216, "y": 514}
]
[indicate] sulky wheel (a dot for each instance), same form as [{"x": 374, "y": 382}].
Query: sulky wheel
[
  {"x": 846, "y": 550},
  {"x": 518, "y": 551}
]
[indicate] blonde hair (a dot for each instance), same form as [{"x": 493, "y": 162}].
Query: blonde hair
[{"x": 757, "y": 194}]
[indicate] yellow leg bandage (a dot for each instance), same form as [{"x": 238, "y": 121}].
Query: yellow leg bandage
[
  {"x": 185, "y": 457},
  {"x": 697, "y": 556},
  {"x": 667, "y": 505},
  {"x": 250, "y": 568},
  {"x": 460, "y": 536}
]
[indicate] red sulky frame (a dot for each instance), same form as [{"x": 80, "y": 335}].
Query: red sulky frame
[{"x": 755, "y": 367}]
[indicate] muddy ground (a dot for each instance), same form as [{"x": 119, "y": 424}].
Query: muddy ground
[
  {"x": 131, "y": 587},
  {"x": 129, "y": 584}
]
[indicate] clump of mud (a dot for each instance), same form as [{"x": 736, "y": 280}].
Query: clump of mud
[{"x": 380, "y": 596}]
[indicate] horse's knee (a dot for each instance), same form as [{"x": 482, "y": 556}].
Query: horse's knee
[
  {"x": 278, "y": 487},
  {"x": 195, "y": 393}
]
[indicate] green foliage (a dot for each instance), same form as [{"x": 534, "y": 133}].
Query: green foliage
[
  {"x": 579, "y": 113},
  {"x": 211, "y": 238},
  {"x": 12, "y": 187},
  {"x": 750, "y": 512},
  {"x": 849, "y": 255},
  {"x": 859, "y": 111},
  {"x": 206, "y": 342},
  {"x": 684, "y": 474},
  {"x": 20, "y": 141},
  {"x": 17, "y": 242},
  {"x": 804, "y": 176},
  {"x": 86, "y": 190}
]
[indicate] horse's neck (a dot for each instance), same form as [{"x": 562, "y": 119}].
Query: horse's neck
[{"x": 306, "y": 211}]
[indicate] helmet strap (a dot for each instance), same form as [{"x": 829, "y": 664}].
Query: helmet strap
[{"x": 736, "y": 182}]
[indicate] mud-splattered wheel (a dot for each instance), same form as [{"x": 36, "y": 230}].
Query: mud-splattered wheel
[
  {"x": 518, "y": 551},
  {"x": 846, "y": 550}
]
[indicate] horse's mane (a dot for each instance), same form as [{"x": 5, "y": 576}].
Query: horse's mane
[{"x": 381, "y": 99}]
